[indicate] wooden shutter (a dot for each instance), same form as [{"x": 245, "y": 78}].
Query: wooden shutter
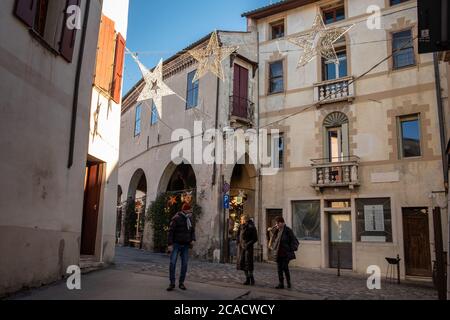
[
  {"x": 243, "y": 89},
  {"x": 105, "y": 55},
  {"x": 68, "y": 36},
  {"x": 240, "y": 91},
  {"x": 118, "y": 69},
  {"x": 25, "y": 10}
]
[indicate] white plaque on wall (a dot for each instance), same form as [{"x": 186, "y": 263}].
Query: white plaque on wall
[{"x": 374, "y": 218}]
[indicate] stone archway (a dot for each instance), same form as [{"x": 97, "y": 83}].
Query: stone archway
[
  {"x": 242, "y": 201},
  {"x": 177, "y": 178},
  {"x": 134, "y": 216}
]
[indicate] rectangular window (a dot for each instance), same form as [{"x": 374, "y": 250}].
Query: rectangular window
[
  {"x": 46, "y": 19},
  {"x": 276, "y": 77},
  {"x": 403, "y": 49},
  {"x": 137, "y": 121},
  {"x": 332, "y": 70},
  {"x": 306, "y": 220},
  {"x": 277, "y": 151},
  {"x": 154, "y": 118},
  {"x": 277, "y": 30},
  {"x": 409, "y": 127},
  {"x": 334, "y": 14},
  {"x": 374, "y": 220},
  {"x": 192, "y": 91}
]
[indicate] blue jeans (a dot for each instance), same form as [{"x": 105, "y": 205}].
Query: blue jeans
[{"x": 183, "y": 251}]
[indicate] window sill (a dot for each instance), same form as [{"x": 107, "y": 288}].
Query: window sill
[
  {"x": 44, "y": 43},
  {"x": 271, "y": 94},
  {"x": 411, "y": 158},
  {"x": 406, "y": 68}
]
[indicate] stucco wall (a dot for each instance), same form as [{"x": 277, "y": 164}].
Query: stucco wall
[{"x": 40, "y": 200}]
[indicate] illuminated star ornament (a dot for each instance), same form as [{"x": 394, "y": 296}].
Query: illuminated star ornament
[
  {"x": 210, "y": 58},
  {"x": 319, "y": 41},
  {"x": 155, "y": 88}
]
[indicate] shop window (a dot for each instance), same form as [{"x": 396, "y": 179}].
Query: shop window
[
  {"x": 306, "y": 220},
  {"x": 374, "y": 222}
]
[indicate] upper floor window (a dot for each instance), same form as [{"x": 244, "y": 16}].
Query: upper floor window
[
  {"x": 277, "y": 147},
  {"x": 192, "y": 91},
  {"x": 336, "y": 131},
  {"x": 409, "y": 129},
  {"x": 394, "y": 2},
  {"x": 154, "y": 117},
  {"x": 277, "y": 30},
  {"x": 334, "y": 13},
  {"x": 403, "y": 49},
  {"x": 333, "y": 70},
  {"x": 46, "y": 19},
  {"x": 137, "y": 120},
  {"x": 276, "y": 77}
]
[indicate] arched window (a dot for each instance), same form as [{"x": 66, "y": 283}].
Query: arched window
[{"x": 336, "y": 137}]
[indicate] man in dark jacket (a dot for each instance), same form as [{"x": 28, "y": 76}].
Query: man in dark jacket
[
  {"x": 246, "y": 239},
  {"x": 181, "y": 236},
  {"x": 283, "y": 245}
]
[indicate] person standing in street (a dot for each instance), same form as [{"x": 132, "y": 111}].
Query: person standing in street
[
  {"x": 246, "y": 238},
  {"x": 282, "y": 247},
  {"x": 180, "y": 239}
]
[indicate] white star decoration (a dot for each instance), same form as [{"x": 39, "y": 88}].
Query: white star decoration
[
  {"x": 210, "y": 58},
  {"x": 319, "y": 41},
  {"x": 155, "y": 88}
]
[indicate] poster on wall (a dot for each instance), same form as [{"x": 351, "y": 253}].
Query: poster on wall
[{"x": 374, "y": 218}]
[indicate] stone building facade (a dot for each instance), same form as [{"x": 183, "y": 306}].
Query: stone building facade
[
  {"x": 362, "y": 171},
  {"x": 146, "y": 168}
]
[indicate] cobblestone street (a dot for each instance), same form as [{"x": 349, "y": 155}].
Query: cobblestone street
[
  {"x": 307, "y": 284},
  {"x": 142, "y": 275}
]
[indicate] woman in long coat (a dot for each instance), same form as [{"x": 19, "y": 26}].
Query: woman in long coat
[
  {"x": 282, "y": 247},
  {"x": 246, "y": 238}
]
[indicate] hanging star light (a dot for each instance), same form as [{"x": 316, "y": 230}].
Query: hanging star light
[
  {"x": 210, "y": 58},
  {"x": 319, "y": 41},
  {"x": 155, "y": 88}
]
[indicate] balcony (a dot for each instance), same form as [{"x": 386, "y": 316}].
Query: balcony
[
  {"x": 331, "y": 91},
  {"x": 242, "y": 110},
  {"x": 340, "y": 172}
]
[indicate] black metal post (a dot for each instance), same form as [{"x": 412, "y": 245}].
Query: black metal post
[
  {"x": 398, "y": 269},
  {"x": 339, "y": 263}
]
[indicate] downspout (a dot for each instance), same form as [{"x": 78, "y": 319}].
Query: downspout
[
  {"x": 437, "y": 75},
  {"x": 437, "y": 78},
  {"x": 258, "y": 124},
  {"x": 77, "y": 86}
]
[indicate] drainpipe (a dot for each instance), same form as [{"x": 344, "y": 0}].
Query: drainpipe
[
  {"x": 77, "y": 85},
  {"x": 261, "y": 228},
  {"x": 214, "y": 178},
  {"x": 437, "y": 76}
]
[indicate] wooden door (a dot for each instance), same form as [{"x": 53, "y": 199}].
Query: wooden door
[
  {"x": 340, "y": 248},
  {"x": 94, "y": 177},
  {"x": 240, "y": 92},
  {"x": 417, "y": 242}
]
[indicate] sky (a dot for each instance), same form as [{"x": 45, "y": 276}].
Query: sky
[{"x": 160, "y": 28}]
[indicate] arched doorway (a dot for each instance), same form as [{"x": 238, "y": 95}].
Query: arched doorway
[
  {"x": 134, "y": 221},
  {"x": 178, "y": 184},
  {"x": 242, "y": 201}
]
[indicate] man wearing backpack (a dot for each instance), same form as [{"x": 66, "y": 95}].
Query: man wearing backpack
[{"x": 282, "y": 247}]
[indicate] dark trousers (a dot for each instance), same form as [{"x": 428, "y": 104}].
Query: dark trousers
[
  {"x": 283, "y": 269},
  {"x": 183, "y": 251}
]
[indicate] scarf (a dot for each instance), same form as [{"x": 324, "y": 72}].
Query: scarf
[{"x": 188, "y": 220}]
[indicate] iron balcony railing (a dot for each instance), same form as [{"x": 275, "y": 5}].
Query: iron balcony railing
[{"x": 242, "y": 109}]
